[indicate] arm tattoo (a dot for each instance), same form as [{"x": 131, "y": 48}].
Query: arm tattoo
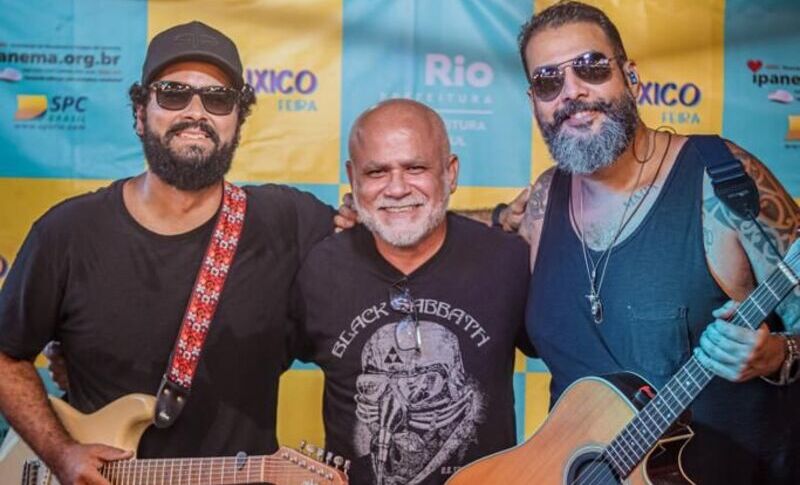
[
  {"x": 535, "y": 211},
  {"x": 779, "y": 216}
]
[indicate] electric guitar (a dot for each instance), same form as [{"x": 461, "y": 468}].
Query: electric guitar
[
  {"x": 602, "y": 432},
  {"x": 122, "y": 423}
]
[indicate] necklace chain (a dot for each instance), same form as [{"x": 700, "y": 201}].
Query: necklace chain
[{"x": 595, "y": 286}]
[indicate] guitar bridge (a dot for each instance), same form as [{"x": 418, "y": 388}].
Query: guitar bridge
[{"x": 30, "y": 472}]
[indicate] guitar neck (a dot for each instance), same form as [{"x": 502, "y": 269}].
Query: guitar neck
[
  {"x": 213, "y": 471},
  {"x": 633, "y": 443}
]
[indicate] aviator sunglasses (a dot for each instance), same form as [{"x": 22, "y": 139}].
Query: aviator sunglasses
[
  {"x": 175, "y": 96},
  {"x": 591, "y": 67}
]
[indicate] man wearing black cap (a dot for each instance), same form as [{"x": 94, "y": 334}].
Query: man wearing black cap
[{"x": 109, "y": 274}]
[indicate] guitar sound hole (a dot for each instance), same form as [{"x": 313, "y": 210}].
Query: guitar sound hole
[{"x": 591, "y": 468}]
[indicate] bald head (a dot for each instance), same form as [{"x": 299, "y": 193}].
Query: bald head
[
  {"x": 402, "y": 172},
  {"x": 399, "y": 115}
]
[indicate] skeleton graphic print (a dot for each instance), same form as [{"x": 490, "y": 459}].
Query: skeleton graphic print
[{"x": 416, "y": 409}]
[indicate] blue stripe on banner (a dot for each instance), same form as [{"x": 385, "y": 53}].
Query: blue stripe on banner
[
  {"x": 65, "y": 69},
  {"x": 459, "y": 57},
  {"x": 535, "y": 365},
  {"x": 762, "y": 83},
  {"x": 298, "y": 365},
  {"x": 519, "y": 404}
]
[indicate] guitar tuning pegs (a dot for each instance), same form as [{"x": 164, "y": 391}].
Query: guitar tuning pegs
[
  {"x": 320, "y": 454},
  {"x": 328, "y": 458},
  {"x": 346, "y": 466},
  {"x": 310, "y": 449},
  {"x": 338, "y": 461},
  {"x": 302, "y": 446}
]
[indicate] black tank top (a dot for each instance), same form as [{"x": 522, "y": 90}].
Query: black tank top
[{"x": 657, "y": 297}]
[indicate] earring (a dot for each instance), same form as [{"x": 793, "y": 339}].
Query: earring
[{"x": 632, "y": 76}]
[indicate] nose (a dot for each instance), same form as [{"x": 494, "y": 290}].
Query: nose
[
  {"x": 574, "y": 87},
  {"x": 397, "y": 187},
  {"x": 195, "y": 109}
]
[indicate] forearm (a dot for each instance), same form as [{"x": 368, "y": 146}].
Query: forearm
[{"x": 24, "y": 403}]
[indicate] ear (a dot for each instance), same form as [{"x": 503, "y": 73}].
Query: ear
[
  {"x": 349, "y": 166},
  {"x": 452, "y": 172},
  {"x": 139, "y": 125},
  {"x": 632, "y": 79}
]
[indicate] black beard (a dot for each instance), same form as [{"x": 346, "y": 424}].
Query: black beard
[
  {"x": 586, "y": 154},
  {"x": 192, "y": 171}
]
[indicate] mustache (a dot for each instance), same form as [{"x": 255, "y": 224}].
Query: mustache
[
  {"x": 572, "y": 107},
  {"x": 199, "y": 124}
]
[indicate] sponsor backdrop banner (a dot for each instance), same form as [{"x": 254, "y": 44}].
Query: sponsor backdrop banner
[{"x": 66, "y": 127}]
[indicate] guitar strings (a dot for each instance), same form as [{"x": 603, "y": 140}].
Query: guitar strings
[{"x": 742, "y": 317}]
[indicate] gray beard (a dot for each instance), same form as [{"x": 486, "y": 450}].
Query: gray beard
[{"x": 584, "y": 154}]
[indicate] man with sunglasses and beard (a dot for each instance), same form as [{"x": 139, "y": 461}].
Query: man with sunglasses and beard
[
  {"x": 413, "y": 315},
  {"x": 109, "y": 275},
  {"x": 632, "y": 253}
]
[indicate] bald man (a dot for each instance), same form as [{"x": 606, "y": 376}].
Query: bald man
[{"x": 414, "y": 314}]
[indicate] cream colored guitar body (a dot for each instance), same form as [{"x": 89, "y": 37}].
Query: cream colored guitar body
[
  {"x": 119, "y": 424},
  {"x": 122, "y": 423}
]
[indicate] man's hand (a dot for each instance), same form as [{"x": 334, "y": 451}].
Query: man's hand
[
  {"x": 347, "y": 216},
  {"x": 58, "y": 365},
  {"x": 80, "y": 464},
  {"x": 736, "y": 353},
  {"x": 511, "y": 217}
]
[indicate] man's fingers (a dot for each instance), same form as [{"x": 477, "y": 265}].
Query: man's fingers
[
  {"x": 517, "y": 205},
  {"x": 110, "y": 453}
]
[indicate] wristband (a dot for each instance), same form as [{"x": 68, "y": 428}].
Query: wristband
[{"x": 496, "y": 214}]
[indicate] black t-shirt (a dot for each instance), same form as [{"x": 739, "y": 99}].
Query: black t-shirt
[
  {"x": 402, "y": 416},
  {"x": 114, "y": 294}
]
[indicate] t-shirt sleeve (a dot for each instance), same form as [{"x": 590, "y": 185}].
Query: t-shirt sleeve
[
  {"x": 314, "y": 220},
  {"x": 521, "y": 277},
  {"x": 298, "y": 344},
  {"x": 30, "y": 300}
]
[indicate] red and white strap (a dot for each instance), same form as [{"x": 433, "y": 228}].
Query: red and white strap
[{"x": 202, "y": 306}]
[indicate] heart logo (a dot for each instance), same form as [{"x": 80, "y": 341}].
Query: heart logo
[{"x": 754, "y": 65}]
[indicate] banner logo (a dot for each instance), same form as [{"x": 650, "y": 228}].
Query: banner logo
[
  {"x": 30, "y": 106},
  {"x": 294, "y": 89},
  {"x": 793, "y": 133},
  {"x": 685, "y": 97},
  {"x": 442, "y": 70},
  {"x": 59, "y": 111}
]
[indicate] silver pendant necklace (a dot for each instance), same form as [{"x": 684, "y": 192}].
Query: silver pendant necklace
[{"x": 595, "y": 303}]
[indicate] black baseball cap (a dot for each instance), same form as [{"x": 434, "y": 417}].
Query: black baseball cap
[{"x": 194, "y": 41}]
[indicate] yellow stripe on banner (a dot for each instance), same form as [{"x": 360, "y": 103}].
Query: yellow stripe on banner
[
  {"x": 537, "y": 399},
  {"x": 678, "y": 48},
  {"x": 23, "y": 200},
  {"x": 300, "y": 407},
  {"x": 291, "y": 53}
]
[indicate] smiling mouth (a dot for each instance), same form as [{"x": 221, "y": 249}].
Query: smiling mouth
[
  {"x": 192, "y": 135},
  {"x": 400, "y": 209},
  {"x": 581, "y": 118}
]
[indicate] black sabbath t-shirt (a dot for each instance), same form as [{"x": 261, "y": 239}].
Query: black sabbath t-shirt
[{"x": 402, "y": 415}]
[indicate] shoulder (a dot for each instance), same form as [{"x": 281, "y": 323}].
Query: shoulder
[
  {"x": 88, "y": 208},
  {"x": 282, "y": 203},
  {"x": 487, "y": 242},
  {"x": 283, "y": 195},
  {"x": 334, "y": 255}
]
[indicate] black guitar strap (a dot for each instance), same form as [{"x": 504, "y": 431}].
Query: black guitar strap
[{"x": 731, "y": 183}]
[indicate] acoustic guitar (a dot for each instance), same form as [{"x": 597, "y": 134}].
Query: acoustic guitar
[
  {"x": 121, "y": 424},
  {"x": 614, "y": 429}
]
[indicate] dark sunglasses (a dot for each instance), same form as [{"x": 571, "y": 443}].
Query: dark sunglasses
[
  {"x": 175, "y": 96},
  {"x": 592, "y": 67},
  {"x": 407, "y": 333}
]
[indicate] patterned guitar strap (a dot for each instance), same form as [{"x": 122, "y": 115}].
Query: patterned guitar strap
[{"x": 177, "y": 381}]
